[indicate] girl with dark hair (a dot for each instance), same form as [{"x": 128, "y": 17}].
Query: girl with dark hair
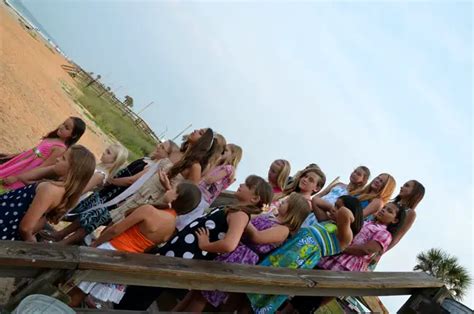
[
  {"x": 305, "y": 248},
  {"x": 411, "y": 194},
  {"x": 216, "y": 233},
  {"x": 202, "y": 147},
  {"x": 373, "y": 239},
  {"x": 145, "y": 227},
  {"x": 263, "y": 234},
  {"x": 53, "y": 145},
  {"x": 25, "y": 211}
]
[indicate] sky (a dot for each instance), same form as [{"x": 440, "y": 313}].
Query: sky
[{"x": 385, "y": 84}]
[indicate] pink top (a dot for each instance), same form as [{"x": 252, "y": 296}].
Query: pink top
[
  {"x": 28, "y": 160},
  {"x": 371, "y": 231},
  {"x": 211, "y": 191}
]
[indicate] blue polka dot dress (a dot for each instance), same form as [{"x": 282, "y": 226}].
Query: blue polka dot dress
[{"x": 13, "y": 206}]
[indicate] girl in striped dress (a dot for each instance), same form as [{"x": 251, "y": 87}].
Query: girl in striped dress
[{"x": 307, "y": 247}]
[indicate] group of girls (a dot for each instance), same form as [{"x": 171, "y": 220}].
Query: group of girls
[{"x": 160, "y": 205}]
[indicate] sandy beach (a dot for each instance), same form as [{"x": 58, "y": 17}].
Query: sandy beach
[{"x": 32, "y": 98}]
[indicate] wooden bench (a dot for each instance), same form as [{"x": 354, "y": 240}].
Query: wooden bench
[{"x": 49, "y": 263}]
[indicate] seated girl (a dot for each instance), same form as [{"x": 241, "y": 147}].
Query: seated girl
[
  {"x": 216, "y": 233},
  {"x": 53, "y": 145},
  {"x": 323, "y": 202},
  {"x": 305, "y": 249},
  {"x": 215, "y": 181},
  {"x": 145, "y": 227},
  {"x": 263, "y": 234},
  {"x": 376, "y": 194},
  {"x": 373, "y": 239},
  {"x": 149, "y": 193},
  {"x": 277, "y": 176},
  {"x": 23, "y": 212},
  {"x": 411, "y": 194},
  {"x": 307, "y": 182}
]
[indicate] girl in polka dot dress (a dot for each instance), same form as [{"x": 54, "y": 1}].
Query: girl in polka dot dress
[
  {"x": 216, "y": 233},
  {"x": 145, "y": 227},
  {"x": 263, "y": 234},
  {"x": 25, "y": 211}
]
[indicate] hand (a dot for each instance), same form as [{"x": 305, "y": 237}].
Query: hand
[
  {"x": 10, "y": 180},
  {"x": 203, "y": 238},
  {"x": 94, "y": 243},
  {"x": 165, "y": 181}
]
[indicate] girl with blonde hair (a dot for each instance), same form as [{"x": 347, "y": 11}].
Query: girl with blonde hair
[
  {"x": 112, "y": 159},
  {"x": 374, "y": 196},
  {"x": 278, "y": 175},
  {"x": 323, "y": 203}
]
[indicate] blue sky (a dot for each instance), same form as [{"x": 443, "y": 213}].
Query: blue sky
[{"x": 384, "y": 84}]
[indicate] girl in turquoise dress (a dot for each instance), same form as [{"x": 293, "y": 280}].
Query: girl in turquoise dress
[{"x": 306, "y": 248}]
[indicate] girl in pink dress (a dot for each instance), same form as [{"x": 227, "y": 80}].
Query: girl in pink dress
[{"x": 53, "y": 145}]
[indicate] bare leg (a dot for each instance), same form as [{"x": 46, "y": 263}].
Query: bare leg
[
  {"x": 197, "y": 304},
  {"x": 61, "y": 234},
  {"x": 183, "y": 304},
  {"x": 77, "y": 295},
  {"x": 74, "y": 238}
]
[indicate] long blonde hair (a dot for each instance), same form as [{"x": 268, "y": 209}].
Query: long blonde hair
[
  {"x": 298, "y": 210},
  {"x": 384, "y": 194},
  {"x": 235, "y": 157},
  {"x": 121, "y": 156},
  {"x": 284, "y": 173},
  {"x": 81, "y": 168}
]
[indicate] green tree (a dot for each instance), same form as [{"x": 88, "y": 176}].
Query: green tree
[
  {"x": 445, "y": 267},
  {"x": 128, "y": 101},
  {"x": 93, "y": 80}
]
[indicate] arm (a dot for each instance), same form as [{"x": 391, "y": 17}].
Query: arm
[
  {"x": 194, "y": 174},
  {"x": 31, "y": 175},
  {"x": 344, "y": 219},
  {"x": 374, "y": 206},
  {"x": 409, "y": 220},
  {"x": 368, "y": 248},
  {"x": 328, "y": 188},
  {"x": 320, "y": 208},
  {"x": 276, "y": 234},
  {"x": 237, "y": 222},
  {"x": 45, "y": 195},
  {"x": 126, "y": 181},
  {"x": 218, "y": 176},
  {"x": 96, "y": 180},
  {"x": 55, "y": 153},
  {"x": 136, "y": 217}
]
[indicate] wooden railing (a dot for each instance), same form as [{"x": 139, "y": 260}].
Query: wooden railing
[{"x": 49, "y": 263}]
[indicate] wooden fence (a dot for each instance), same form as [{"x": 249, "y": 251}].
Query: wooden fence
[{"x": 100, "y": 89}]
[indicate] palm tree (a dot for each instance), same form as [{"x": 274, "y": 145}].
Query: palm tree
[{"x": 445, "y": 267}]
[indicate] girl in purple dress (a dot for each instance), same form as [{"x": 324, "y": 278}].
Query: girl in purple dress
[{"x": 263, "y": 234}]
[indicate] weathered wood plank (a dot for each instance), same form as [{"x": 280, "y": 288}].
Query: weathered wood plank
[
  {"x": 38, "y": 255},
  {"x": 149, "y": 270}
]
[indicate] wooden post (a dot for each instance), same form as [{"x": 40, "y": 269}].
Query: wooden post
[
  {"x": 426, "y": 301},
  {"x": 43, "y": 284}
]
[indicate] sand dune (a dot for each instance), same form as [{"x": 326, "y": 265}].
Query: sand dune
[{"x": 32, "y": 100}]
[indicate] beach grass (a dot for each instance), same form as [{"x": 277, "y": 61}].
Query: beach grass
[{"x": 114, "y": 123}]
